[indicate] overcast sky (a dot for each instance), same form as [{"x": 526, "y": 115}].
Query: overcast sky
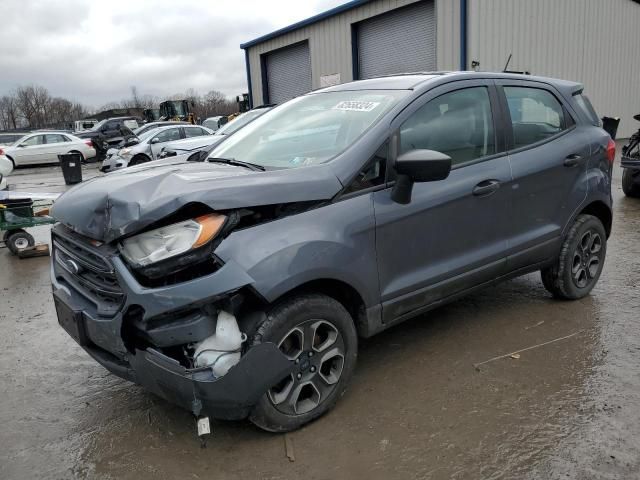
[{"x": 94, "y": 51}]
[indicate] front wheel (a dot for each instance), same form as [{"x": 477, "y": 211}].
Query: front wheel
[
  {"x": 138, "y": 160},
  {"x": 579, "y": 266},
  {"x": 318, "y": 336},
  {"x": 631, "y": 183}
]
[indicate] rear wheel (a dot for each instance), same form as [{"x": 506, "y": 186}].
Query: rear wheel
[
  {"x": 631, "y": 182},
  {"x": 17, "y": 240},
  {"x": 318, "y": 336},
  {"x": 581, "y": 260}
]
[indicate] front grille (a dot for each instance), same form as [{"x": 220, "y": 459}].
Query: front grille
[{"x": 88, "y": 272}]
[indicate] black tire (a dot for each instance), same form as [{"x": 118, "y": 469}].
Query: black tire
[
  {"x": 582, "y": 257},
  {"x": 18, "y": 240},
  {"x": 631, "y": 185},
  {"x": 324, "y": 362},
  {"x": 138, "y": 160}
]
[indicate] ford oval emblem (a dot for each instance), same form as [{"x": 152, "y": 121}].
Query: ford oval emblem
[{"x": 72, "y": 266}]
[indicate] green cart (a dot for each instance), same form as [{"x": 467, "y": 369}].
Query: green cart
[{"x": 18, "y": 214}]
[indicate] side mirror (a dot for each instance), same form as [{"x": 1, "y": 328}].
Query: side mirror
[
  {"x": 154, "y": 140},
  {"x": 418, "y": 166}
]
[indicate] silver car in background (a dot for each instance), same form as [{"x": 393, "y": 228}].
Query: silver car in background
[
  {"x": 188, "y": 145},
  {"x": 44, "y": 147},
  {"x": 149, "y": 145}
]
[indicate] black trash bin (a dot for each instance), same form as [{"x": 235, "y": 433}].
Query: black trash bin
[
  {"x": 610, "y": 125},
  {"x": 71, "y": 164}
]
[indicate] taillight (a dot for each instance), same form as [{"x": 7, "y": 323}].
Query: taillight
[
  {"x": 611, "y": 151},
  {"x": 88, "y": 143},
  {"x": 1, "y": 152}
]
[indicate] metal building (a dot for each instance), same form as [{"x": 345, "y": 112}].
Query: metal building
[{"x": 591, "y": 41}]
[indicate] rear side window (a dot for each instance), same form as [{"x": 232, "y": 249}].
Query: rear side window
[
  {"x": 584, "y": 104},
  {"x": 194, "y": 132},
  {"x": 458, "y": 124},
  {"x": 56, "y": 138},
  {"x": 535, "y": 115}
]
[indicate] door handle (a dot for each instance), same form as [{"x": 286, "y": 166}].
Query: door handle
[
  {"x": 572, "y": 160},
  {"x": 486, "y": 187}
]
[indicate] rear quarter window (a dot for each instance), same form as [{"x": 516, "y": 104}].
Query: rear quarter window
[{"x": 585, "y": 106}]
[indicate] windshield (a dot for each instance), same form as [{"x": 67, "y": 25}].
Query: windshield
[
  {"x": 241, "y": 121},
  {"x": 308, "y": 130}
]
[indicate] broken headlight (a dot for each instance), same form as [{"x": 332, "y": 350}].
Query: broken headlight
[{"x": 172, "y": 240}]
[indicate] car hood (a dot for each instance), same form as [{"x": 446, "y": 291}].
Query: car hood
[{"x": 121, "y": 203}]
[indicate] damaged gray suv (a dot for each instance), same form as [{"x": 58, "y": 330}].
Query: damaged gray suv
[{"x": 237, "y": 284}]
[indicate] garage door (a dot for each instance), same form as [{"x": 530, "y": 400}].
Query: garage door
[
  {"x": 288, "y": 73},
  {"x": 400, "y": 41}
]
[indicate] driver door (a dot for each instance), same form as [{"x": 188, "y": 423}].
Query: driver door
[
  {"x": 169, "y": 135},
  {"x": 453, "y": 234},
  {"x": 31, "y": 151}
]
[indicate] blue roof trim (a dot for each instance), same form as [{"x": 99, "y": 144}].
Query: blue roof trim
[{"x": 316, "y": 18}]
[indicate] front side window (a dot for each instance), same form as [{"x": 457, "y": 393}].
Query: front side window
[
  {"x": 308, "y": 130},
  {"x": 35, "y": 140},
  {"x": 373, "y": 174},
  {"x": 535, "y": 115},
  {"x": 458, "y": 124}
]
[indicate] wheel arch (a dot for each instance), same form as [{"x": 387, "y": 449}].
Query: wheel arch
[
  {"x": 602, "y": 212},
  {"x": 12, "y": 160},
  {"x": 341, "y": 291}
]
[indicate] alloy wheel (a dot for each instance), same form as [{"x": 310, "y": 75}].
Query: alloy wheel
[
  {"x": 317, "y": 349},
  {"x": 586, "y": 259}
]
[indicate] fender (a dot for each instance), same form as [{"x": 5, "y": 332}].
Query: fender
[{"x": 336, "y": 241}]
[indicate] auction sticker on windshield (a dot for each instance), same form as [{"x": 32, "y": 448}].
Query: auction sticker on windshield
[{"x": 356, "y": 106}]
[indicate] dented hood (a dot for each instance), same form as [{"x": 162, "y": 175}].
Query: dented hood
[{"x": 109, "y": 207}]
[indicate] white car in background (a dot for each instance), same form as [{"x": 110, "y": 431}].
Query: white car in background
[
  {"x": 44, "y": 147},
  {"x": 6, "y": 167}
]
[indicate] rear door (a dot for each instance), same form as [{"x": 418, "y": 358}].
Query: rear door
[
  {"x": 56, "y": 144},
  {"x": 548, "y": 154},
  {"x": 453, "y": 234}
]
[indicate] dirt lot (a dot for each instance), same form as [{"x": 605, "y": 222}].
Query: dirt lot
[{"x": 417, "y": 408}]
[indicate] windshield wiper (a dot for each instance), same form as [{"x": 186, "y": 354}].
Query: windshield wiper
[{"x": 237, "y": 163}]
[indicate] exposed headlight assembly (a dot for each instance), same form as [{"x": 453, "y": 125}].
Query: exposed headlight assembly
[{"x": 171, "y": 241}]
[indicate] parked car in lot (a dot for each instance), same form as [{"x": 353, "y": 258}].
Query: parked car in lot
[
  {"x": 149, "y": 144},
  {"x": 187, "y": 145},
  {"x": 6, "y": 167},
  {"x": 214, "y": 123},
  {"x": 44, "y": 147},
  {"x": 110, "y": 132},
  {"x": 237, "y": 285},
  {"x": 631, "y": 165}
]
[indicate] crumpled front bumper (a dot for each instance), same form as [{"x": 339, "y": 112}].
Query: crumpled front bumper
[
  {"x": 113, "y": 162},
  {"x": 228, "y": 397}
]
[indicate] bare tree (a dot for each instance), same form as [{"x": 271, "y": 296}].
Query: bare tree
[{"x": 9, "y": 113}]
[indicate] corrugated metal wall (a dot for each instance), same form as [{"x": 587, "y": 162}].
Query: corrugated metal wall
[
  {"x": 595, "y": 42},
  {"x": 330, "y": 41}
]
